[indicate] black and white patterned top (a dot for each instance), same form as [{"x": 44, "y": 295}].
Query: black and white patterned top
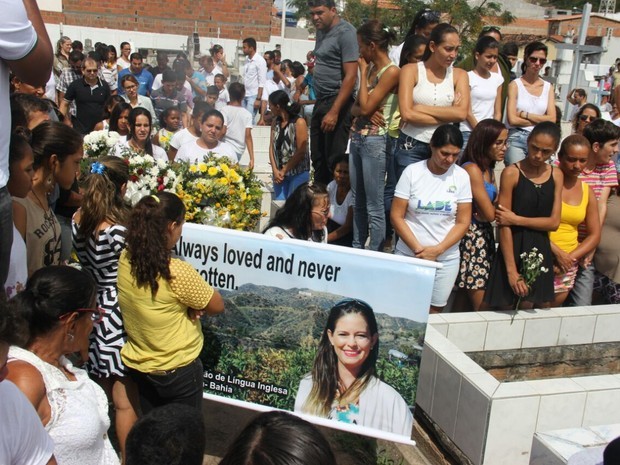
[{"x": 99, "y": 256}]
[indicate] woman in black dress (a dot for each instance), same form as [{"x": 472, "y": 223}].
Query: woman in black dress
[{"x": 529, "y": 207}]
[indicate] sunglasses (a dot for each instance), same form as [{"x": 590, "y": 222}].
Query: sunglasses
[
  {"x": 431, "y": 16},
  {"x": 587, "y": 118},
  {"x": 93, "y": 71},
  {"x": 535, "y": 60},
  {"x": 352, "y": 303},
  {"x": 491, "y": 29},
  {"x": 98, "y": 313}
]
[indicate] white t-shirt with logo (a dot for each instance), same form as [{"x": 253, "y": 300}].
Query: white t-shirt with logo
[{"x": 432, "y": 203}]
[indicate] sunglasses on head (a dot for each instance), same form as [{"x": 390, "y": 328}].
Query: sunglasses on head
[
  {"x": 353, "y": 302},
  {"x": 535, "y": 60},
  {"x": 431, "y": 16}
]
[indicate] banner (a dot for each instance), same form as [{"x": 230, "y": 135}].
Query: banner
[{"x": 279, "y": 294}]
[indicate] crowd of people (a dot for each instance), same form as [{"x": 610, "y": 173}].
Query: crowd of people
[{"x": 373, "y": 146}]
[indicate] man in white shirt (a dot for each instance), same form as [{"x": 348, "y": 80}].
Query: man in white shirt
[{"x": 254, "y": 76}]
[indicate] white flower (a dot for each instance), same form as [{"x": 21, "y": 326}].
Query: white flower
[{"x": 161, "y": 164}]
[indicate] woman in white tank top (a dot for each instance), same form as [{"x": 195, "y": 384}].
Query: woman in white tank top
[
  {"x": 430, "y": 94},
  {"x": 530, "y": 101}
]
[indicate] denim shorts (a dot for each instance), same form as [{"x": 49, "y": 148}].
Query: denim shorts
[{"x": 445, "y": 278}]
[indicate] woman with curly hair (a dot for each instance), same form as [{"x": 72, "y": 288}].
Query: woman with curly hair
[
  {"x": 342, "y": 385},
  {"x": 98, "y": 230},
  {"x": 162, "y": 299}
]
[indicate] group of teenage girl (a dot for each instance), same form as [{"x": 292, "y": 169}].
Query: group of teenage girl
[{"x": 414, "y": 169}]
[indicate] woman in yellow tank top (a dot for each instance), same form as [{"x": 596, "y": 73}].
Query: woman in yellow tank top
[{"x": 578, "y": 206}]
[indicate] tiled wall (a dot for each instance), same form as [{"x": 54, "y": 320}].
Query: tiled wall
[{"x": 493, "y": 423}]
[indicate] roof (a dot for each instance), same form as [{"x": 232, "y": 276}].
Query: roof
[{"x": 382, "y": 4}]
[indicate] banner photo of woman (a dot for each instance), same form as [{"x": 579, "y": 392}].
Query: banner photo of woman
[{"x": 331, "y": 333}]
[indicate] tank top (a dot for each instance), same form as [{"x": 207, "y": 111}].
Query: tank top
[
  {"x": 362, "y": 124},
  {"x": 427, "y": 93},
  {"x": 565, "y": 237},
  {"x": 531, "y": 103},
  {"x": 489, "y": 187},
  {"x": 79, "y": 413},
  {"x": 42, "y": 235}
]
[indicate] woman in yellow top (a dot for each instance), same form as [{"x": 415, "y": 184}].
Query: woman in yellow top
[
  {"x": 162, "y": 299},
  {"x": 579, "y": 205}
]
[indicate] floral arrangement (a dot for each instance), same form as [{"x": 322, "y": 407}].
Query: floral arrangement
[
  {"x": 215, "y": 191},
  {"x": 531, "y": 268},
  {"x": 220, "y": 193},
  {"x": 148, "y": 176},
  {"x": 99, "y": 143}
]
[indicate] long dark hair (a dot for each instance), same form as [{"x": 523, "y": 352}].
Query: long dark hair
[
  {"x": 279, "y": 438},
  {"x": 438, "y": 36},
  {"x": 116, "y": 114},
  {"x": 147, "y": 237},
  {"x": 422, "y": 19},
  {"x": 411, "y": 44},
  {"x": 296, "y": 213},
  {"x": 480, "y": 141},
  {"x": 133, "y": 115},
  {"x": 54, "y": 138},
  {"x": 52, "y": 292},
  {"x": 281, "y": 99},
  {"x": 325, "y": 378},
  {"x": 587, "y": 106}
]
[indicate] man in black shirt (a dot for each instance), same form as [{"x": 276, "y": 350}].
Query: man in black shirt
[{"x": 90, "y": 94}]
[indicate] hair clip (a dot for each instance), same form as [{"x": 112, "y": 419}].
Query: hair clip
[
  {"x": 154, "y": 197},
  {"x": 97, "y": 168}
]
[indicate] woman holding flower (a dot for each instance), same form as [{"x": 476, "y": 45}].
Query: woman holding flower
[{"x": 530, "y": 202}]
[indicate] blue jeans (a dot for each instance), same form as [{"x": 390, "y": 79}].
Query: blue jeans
[
  {"x": 408, "y": 151},
  {"x": 283, "y": 190},
  {"x": 6, "y": 235},
  {"x": 248, "y": 104},
  {"x": 466, "y": 135},
  {"x": 181, "y": 386},
  {"x": 390, "y": 184},
  {"x": 517, "y": 138},
  {"x": 367, "y": 173},
  {"x": 581, "y": 294}
]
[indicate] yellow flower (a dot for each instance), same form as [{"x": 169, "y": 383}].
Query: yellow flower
[
  {"x": 212, "y": 171},
  {"x": 192, "y": 169},
  {"x": 202, "y": 167},
  {"x": 223, "y": 181},
  {"x": 224, "y": 167}
]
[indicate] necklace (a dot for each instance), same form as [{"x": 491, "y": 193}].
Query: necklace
[{"x": 48, "y": 215}]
